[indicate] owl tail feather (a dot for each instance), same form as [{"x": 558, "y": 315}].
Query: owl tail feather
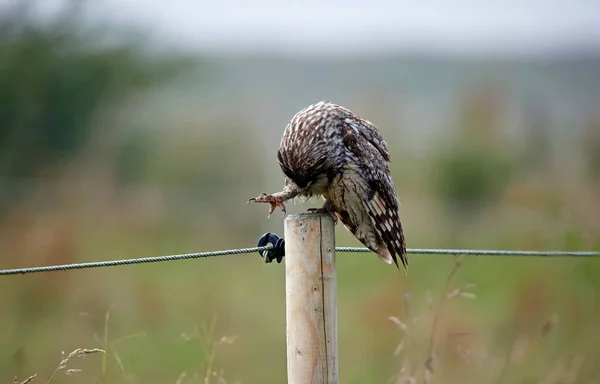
[{"x": 384, "y": 254}]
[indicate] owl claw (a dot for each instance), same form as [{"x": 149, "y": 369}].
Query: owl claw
[{"x": 272, "y": 200}]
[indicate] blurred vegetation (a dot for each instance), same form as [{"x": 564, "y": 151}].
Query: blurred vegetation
[
  {"x": 591, "y": 146},
  {"x": 56, "y": 77},
  {"x": 474, "y": 166},
  {"x": 102, "y": 156},
  {"x": 470, "y": 175}
]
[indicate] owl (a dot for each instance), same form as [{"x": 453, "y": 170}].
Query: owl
[{"x": 328, "y": 151}]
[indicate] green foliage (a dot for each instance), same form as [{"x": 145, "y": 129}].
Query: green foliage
[
  {"x": 469, "y": 175},
  {"x": 55, "y": 78},
  {"x": 591, "y": 148},
  {"x": 134, "y": 158}
]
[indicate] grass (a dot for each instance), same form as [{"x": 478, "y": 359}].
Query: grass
[
  {"x": 432, "y": 350},
  {"x": 440, "y": 341},
  {"x": 532, "y": 320},
  {"x": 206, "y": 338},
  {"x": 411, "y": 372},
  {"x": 78, "y": 353},
  {"x": 445, "y": 337}
]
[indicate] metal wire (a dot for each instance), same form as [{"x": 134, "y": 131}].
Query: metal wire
[
  {"x": 156, "y": 259},
  {"x": 142, "y": 260},
  {"x": 482, "y": 252}
]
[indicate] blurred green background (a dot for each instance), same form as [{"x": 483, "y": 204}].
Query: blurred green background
[{"x": 116, "y": 147}]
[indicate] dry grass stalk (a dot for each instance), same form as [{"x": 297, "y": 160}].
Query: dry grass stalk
[
  {"x": 110, "y": 345},
  {"x": 78, "y": 353},
  {"x": 430, "y": 362},
  {"x": 182, "y": 376},
  {"x": 206, "y": 338},
  {"x": 469, "y": 357},
  {"x": 406, "y": 375},
  {"x": 105, "y": 344},
  {"x": 27, "y": 380},
  {"x": 209, "y": 347},
  {"x": 430, "y": 365},
  {"x": 400, "y": 324},
  {"x": 462, "y": 292},
  {"x": 519, "y": 348}
]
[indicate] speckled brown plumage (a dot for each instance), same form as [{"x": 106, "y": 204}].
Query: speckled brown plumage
[{"x": 328, "y": 151}]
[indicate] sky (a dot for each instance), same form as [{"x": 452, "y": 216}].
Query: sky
[{"x": 338, "y": 27}]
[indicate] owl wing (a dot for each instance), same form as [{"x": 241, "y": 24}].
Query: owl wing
[
  {"x": 370, "y": 132},
  {"x": 370, "y": 152}
]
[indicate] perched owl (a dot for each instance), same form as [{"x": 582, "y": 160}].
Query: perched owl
[{"x": 328, "y": 151}]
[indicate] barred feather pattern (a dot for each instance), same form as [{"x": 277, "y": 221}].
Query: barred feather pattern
[{"x": 328, "y": 151}]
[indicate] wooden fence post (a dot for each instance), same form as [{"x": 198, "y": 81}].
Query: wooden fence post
[{"x": 311, "y": 299}]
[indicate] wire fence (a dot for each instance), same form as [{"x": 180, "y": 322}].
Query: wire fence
[{"x": 186, "y": 256}]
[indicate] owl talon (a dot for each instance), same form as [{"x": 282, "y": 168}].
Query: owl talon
[
  {"x": 272, "y": 200},
  {"x": 258, "y": 199}
]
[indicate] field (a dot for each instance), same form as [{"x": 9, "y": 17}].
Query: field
[
  {"x": 101, "y": 161},
  {"x": 512, "y": 320}
]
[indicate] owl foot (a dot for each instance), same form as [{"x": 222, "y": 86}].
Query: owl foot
[
  {"x": 273, "y": 200},
  {"x": 324, "y": 210}
]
